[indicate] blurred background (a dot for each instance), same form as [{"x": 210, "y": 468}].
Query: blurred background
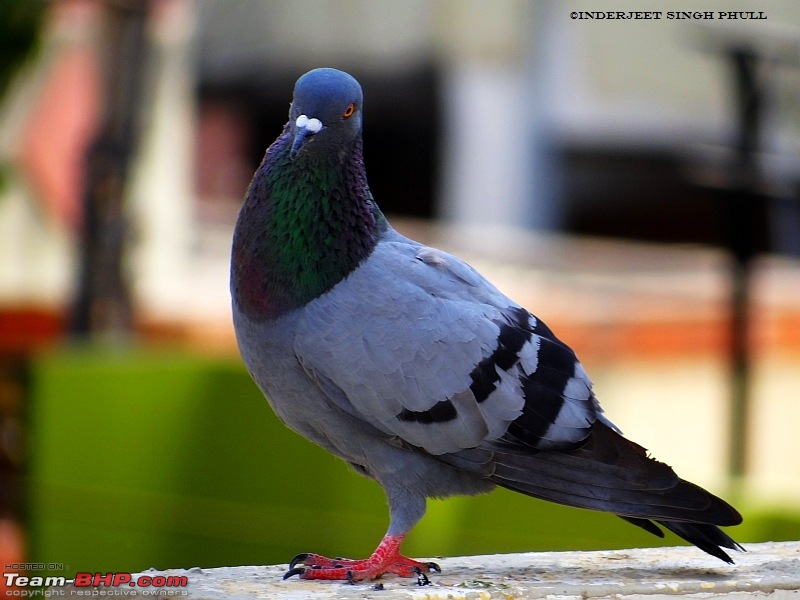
[{"x": 632, "y": 182}]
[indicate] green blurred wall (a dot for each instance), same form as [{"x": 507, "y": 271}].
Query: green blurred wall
[{"x": 157, "y": 459}]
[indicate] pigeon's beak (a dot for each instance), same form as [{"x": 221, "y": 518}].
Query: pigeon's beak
[{"x": 305, "y": 128}]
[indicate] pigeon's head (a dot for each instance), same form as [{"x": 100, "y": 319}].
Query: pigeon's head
[{"x": 326, "y": 111}]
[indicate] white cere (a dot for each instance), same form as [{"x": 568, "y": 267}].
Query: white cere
[{"x": 313, "y": 125}]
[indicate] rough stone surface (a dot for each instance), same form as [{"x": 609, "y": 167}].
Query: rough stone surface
[{"x": 770, "y": 570}]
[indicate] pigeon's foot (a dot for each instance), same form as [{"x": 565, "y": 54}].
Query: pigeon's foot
[{"x": 385, "y": 559}]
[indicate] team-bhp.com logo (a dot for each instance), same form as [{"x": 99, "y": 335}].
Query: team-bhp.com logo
[{"x": 96, "y": 584}]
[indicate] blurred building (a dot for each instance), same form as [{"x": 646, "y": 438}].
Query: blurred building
[{"x": 509, "y": 113}]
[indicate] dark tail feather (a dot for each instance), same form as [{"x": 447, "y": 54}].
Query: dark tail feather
[
  {"x": 612, "y": 474},
  {"x": 645, "y": 524},
  {"x": 708, "y": 538}
]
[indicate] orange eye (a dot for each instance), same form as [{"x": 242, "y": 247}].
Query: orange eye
[{"x": 351, "y": 108}]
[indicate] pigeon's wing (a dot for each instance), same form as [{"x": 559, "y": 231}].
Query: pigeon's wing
[{"x": 419, "y": 345}]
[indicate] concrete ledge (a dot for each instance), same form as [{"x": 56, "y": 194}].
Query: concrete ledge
[{"x": 766, "y": 570}]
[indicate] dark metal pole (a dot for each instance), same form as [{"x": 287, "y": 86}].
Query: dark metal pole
[
  {"x": 103, "y": 305},
  {"x": 743, "y": 210}
]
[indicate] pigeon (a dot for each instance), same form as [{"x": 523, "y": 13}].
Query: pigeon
[{"x": 408, "y": 364}]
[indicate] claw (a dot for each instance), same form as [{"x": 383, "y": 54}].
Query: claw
[
  {"x": 294, "y": 571},
  {"x": 422, "y": 579},
  {"x": 297, "y": 559},
  {"x": 434, "y": 567},
  {"x": 350, "y": 579}
]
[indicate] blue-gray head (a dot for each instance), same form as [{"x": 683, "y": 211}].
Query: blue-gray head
[{"x": 326, "y": 111}]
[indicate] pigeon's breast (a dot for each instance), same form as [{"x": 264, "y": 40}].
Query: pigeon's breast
[{"x": 266, "y": 348}]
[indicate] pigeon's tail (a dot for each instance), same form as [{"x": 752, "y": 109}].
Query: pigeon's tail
[
  {"x": 705, "y": 536},
  {"x": 611, "y": 473}
]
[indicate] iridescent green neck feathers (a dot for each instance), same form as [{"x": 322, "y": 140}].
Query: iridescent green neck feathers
[{"x": 305, "y": 225}]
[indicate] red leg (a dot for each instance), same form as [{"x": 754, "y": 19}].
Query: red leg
[{"x": 385, "y": 559}]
